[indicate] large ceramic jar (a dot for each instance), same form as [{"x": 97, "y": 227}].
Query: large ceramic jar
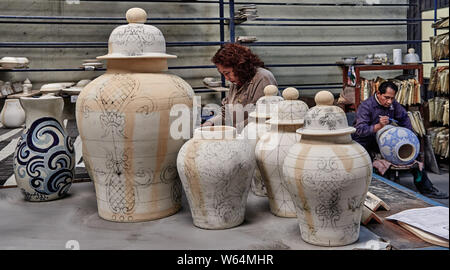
[
  {"x": 257, "y": 127},
  {"x": 44, "y": 159},
  {"x": 216, "y": 169},
  {"x": 273, "y": 147},
  {"x": 12, "y": 114},
  {"x": 327, "y": 175},
  {"x": 125, "y": 123},
  {"x": 398, "y": 145}
]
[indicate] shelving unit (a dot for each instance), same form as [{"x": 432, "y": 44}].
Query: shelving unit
[
  {"x": 359, "y": 68},
  {"x": 435, "y": 124},
  {"x": 222, "y": 21}
]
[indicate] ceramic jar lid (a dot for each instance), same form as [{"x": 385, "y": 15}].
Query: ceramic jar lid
[
  {"x": 265, "y": 105},
  {"x": 136, "y": 40},
  {"x": 291, "y": 111},
  {"x": 324, "y": 119}
]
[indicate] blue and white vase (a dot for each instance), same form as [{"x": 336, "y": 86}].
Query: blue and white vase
[
  {"x": 44, "y": 159},
  {"x": 398, "y": 145}
]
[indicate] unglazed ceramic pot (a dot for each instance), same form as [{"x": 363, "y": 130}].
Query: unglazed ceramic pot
[
  {"x": 44, "y": 159},
  {"x": 327, "y": 175},
  {"x": 12, "y": 114},
  {"x": 257, "y": 127},
  {"x": 124, "y": 122},
  {"x": 398, "y": 145},
  {"x": 216, "y": 169},
  {"x": 273, "y": 146}
]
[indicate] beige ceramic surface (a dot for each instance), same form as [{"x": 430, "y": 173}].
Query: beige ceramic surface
[
  {"x": 124, "y": 122},
  {"x": 12, "y": 114},
  {"x": 257, "y": 127},
  {"x": 325, "y": 119},
  {"x": 216, "y": 169},
  {"x": 45, "y": 106},
  {"x": 136, "y": 39},
  {"x": 328, "y": 178},
  {"x": 273, "y": 147}
]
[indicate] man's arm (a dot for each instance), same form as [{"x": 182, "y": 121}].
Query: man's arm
[
  {"x": 364, "y": 126},
  {"x": 401, "y": 115}
]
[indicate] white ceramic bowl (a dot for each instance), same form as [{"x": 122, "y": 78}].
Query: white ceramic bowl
[{"x": 349, "y": 60}]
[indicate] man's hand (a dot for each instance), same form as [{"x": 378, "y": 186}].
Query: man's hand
[{"x": 384, "y": 120}]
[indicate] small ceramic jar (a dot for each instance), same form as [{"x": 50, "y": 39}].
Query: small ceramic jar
[{"x": 12, "y": 114}]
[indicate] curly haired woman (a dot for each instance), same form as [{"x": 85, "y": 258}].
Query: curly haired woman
[{"x": 248, "y": 77}]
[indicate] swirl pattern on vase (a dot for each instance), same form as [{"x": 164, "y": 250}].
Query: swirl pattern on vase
[{"x": 44, "y": 160}]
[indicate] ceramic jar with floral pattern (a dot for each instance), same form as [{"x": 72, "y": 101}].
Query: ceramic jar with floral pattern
[
  {"x": 273, "y": 147},
  {"x": 216, "y": 168},
  {"x": 327, "y": 175},
  {"x": 398, "y": 145},
  {"x": 124, "y": 120},
  {"x": 257, "y": 127}
]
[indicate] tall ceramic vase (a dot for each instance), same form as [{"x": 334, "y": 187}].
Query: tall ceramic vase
[
  {"x": 216, "y": 169},
  {"x": 257, "y": 127},
  {"x": 327, "y": 175},
  {"x": 44, "y": 159},
  {"x": 125, "y": 124},
  {"x": 398, "y": 145},
  {"x": 273, "y": 146},
  {"x": 12, "y": 114}
]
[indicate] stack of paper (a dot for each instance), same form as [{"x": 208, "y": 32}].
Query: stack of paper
[{"x": 430, "y": 224}]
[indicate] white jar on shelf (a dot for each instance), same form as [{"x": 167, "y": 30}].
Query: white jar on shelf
[{"x": 12, "y": 115}]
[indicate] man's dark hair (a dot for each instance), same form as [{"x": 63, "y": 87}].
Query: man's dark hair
[{"x": 383, "y": 86}]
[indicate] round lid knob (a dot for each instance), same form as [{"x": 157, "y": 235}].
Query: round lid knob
[
  {"x": 411, "y": 50},
  {"x": 270, "y": 90},
  {"x": 136, "y": 15},
  {"x": 324, "y": 98},
  {"x": 290, "y": 93}
]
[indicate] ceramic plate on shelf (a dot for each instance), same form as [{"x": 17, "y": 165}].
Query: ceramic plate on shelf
[{"x": 9, "y": 62}]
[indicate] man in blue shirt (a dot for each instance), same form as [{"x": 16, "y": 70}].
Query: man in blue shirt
[{"x": 373, "y": 114}]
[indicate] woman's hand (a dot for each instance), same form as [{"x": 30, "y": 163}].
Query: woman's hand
[{"x": 206, "y": 124}]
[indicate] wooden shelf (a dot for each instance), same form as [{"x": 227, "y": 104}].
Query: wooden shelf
[
  {"x": 359, "y": 68},
  {"x": 29, "y": 94}
]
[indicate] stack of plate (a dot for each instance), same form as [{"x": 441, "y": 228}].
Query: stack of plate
[
  {"x": 8, "y": 62},
  {"x": 75, "y": 90},
  {"x": 91, "y": 64},
  {"x": 55, "y": 88}
]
